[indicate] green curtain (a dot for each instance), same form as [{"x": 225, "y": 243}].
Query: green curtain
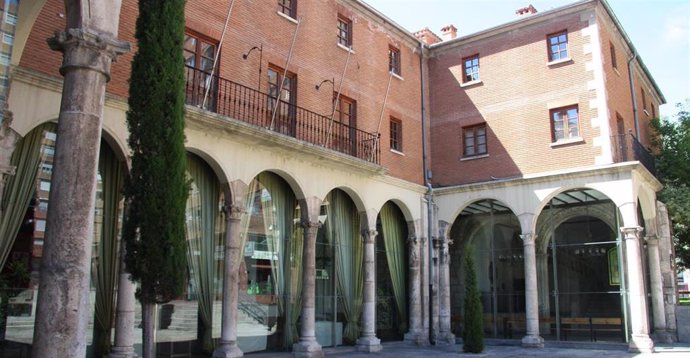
[
  {"x": 202, "y": 213},
  {"x": 294, "y": 279},
  {"x": 342, "y": 230},
  {"x": 20, "y": 187},
  {"x": 394, "y": 241},
  {"x": 106, "y": 275}
]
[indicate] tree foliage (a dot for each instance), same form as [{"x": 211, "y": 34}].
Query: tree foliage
[
  {"x": 673, "y": 167},
  {"x": 473, "y": 324},
  {"x": 156, "y": 189}
]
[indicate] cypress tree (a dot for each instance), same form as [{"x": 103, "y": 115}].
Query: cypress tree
[
  {"x": 156, "y": 189},
  {"x": 473, "y": 325}
]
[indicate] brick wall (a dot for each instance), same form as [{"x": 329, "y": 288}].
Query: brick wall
[
  {"x": 517, "y": 90},
  {"x": 315, "y": 57}
]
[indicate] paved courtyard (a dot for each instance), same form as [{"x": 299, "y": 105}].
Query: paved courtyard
[{"x": 497, "y": 348}]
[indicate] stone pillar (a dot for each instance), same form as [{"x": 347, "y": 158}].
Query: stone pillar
[
  {"x": 668, "y": 268},
  {"x": 124, "y": 319},
  {"x": 414, "y": 333},
  {"x": 425, "y": 268},
  {"x": 63, "y": 296},
  {"x": 368, "y": 341},
  {"x": 657, "y": 290},
  {"x": 639, "y": 340},
  {"x": 227, "y": 347},
  {"x": 543, "y": 287},
  {"x": 532, "y": 338},
  {"x": 445, "y": 336},
  {"x": 434, "y": 275},
  {"x": 308, "y": 347}
]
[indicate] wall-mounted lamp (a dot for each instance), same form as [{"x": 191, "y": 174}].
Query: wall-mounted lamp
[
  {"x": 261, "y": 55},
  {"x": 332, "y": 82}
]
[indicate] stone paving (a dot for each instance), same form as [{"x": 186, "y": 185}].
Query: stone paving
[{"x": 496, "y": 349}]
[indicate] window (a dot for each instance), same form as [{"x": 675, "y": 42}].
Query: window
[
  {"x": 613, "y": 56},
  {"x": 470, "y": 66},
  {"x": 474, "y": 140},
  {"x": 199, "y": 55},
  {"x": 288, "y": 7},
  {"x": 558, "y": 46},
  {"x": 394, "y": 60},
  {"x": 344, "y": 134},
  {"x": 285, "y": 110},
  {"x": 653, "y": 111},
  {"x": 344, "y": 31},
  {"x": 44, "y": 185},
  {"x": 565, "y": 123},
  {"x": 396, "y": 134},
  {"x": 644, "y": 99}
]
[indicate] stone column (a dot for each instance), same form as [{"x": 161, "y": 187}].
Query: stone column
[
  {"x": 658, "y": 314},
  {"x": 543, "y": 287},
  {"x": 368, "y": 341},
  {"x": 308, "y": 347},
  {"x": 227, "y": 347},
  {"x": 434, "y": 275},
  {"x": 124, "y": 319},
  {"x": 668, "y": 268},
  {"x": 445, "y": 336},
  {"x": 532, "y": 338},
  {"x": 639, "y": 340},
  {"x": 63, "y": 296},
  {"x": 414, "y": 294}
]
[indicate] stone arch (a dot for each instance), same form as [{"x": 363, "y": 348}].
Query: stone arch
[{"x": 26, "y": 17}]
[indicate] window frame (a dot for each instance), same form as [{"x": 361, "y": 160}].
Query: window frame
[
  {"x": 344, "y": 35},
  {"x": 198, "y": 53},
  {"x": 396, "y": 134},
  {"x": 566, "y": 124},
  {"x": 289, "y": 10},
  {"x": 473, "y": 129},
  {"x": 644, "y": 99},
  {"x": 549, "y": 45},
  {"x": 474, "y": 69},
  {"x": 394, "y": 60},
  {"x": 614, "y": 62}
]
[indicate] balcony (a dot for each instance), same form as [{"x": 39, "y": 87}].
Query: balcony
[
  {"x": 248, "y": 105},
  {"x": 627, "y": 148}
]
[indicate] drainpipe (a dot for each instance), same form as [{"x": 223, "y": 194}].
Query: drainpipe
[
  {"x": 427, "y": 182},
  {"x": 632, "y": 92}
]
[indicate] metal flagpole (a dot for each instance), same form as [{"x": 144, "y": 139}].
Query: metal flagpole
[
  {"x": 327, "y": 140},
  {"x": 215, "y": 59},
  {"x": 282, "y": 80}
]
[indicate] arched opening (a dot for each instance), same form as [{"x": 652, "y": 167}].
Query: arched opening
[
  {"x": 391, "y": 274},
  {"x": 493, "y": 232},
  {"x": 339, "y": 271},
  {"x": 271, "y": 267},
  {"x": 22, "y": 230},
  {"x": 580, "y": 268}
]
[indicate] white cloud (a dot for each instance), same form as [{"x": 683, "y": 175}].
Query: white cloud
[{"x": 677, "y": 28}]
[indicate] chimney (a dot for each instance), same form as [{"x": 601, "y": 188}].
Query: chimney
[
  {"x": 427, "y": 36},
  {"x": 526, "y": 11},
  {"x": 449, "y": 32}
]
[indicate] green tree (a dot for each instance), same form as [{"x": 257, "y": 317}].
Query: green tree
[
  {"x": 156, "y": 189},
  {"x": 473, "y": 324},
  {"x": 673, "y": 166}
]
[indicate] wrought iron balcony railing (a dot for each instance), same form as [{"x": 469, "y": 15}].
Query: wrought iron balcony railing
[
  {"x": 627, "y": 148},
  {"x": 248, "y": 105}
]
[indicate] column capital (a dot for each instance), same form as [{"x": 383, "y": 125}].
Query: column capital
[
  {"x": 369, "y": 235},
  {"x": 314, "y": 225},
  {"x": 651, "y": 240},
  {"x": 412, "y": 240},
  {"x": 438, "y": 242},
  {"x": 233, "y": 211},
  {"x": 79, "y": 46},
  {"x": 528, "y": 238},
  {"x": 632, "y": 232}
]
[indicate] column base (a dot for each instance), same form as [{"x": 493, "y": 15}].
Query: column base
[
  {"x": 664, "y": 336},
  {"x": 445, "y": 339},
  {"x": 122, "y": 352},
  {"x": 369, "y": 344},
  {"x": 307, "y": 349},
  {"x": 227, "y": 350},
  {"x": 416, "y": 338},
  {"x": 532, "y": 342},
  {"x": 641, "y": 343}
]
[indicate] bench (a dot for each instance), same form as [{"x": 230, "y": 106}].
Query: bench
[{"x": 591, "y": 325}]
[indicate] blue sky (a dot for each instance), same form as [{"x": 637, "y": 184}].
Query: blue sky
[{"x": 659, "y": 29}]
